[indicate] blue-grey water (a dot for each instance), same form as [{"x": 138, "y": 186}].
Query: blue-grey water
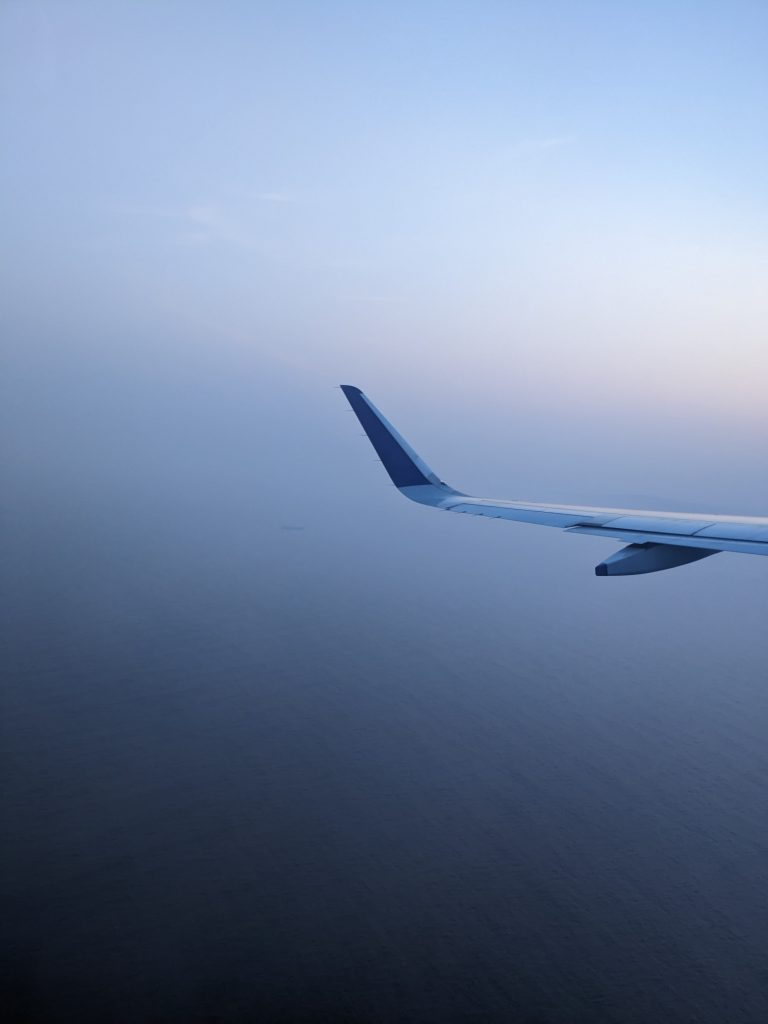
[{"x": 280, "y": 746}]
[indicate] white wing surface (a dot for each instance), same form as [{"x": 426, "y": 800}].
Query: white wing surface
[{"x": 656, "y": 540}]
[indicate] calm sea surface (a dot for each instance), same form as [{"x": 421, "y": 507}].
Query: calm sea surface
[{"x": 415, "y": 768}]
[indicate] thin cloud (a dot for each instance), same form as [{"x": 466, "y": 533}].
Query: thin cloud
[
  {"x": 207, "y": 223},
  {"x": 541, "y": 144},
  {"x": 275, "y": 197},
  {"x": 376, "y": 300},
  {"x": 210, "y": 222}
]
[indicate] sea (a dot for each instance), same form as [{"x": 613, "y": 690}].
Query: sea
[{"x": 278, "y": 746}]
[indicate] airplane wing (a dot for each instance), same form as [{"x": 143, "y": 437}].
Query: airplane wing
[{"x": 656, "y": 540}]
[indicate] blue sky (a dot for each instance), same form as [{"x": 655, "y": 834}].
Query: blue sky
[{"x": 546, "y": 202}]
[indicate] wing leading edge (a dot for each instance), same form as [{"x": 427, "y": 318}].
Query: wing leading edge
[{"x": 656, "y": 540}]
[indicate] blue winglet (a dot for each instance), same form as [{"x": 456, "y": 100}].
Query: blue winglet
[{"x": 404, "y": 466}]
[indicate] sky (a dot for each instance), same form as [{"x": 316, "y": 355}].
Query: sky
[
  {"x": 534, "y": 216},
  {"x": 251, "y": 689}
]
